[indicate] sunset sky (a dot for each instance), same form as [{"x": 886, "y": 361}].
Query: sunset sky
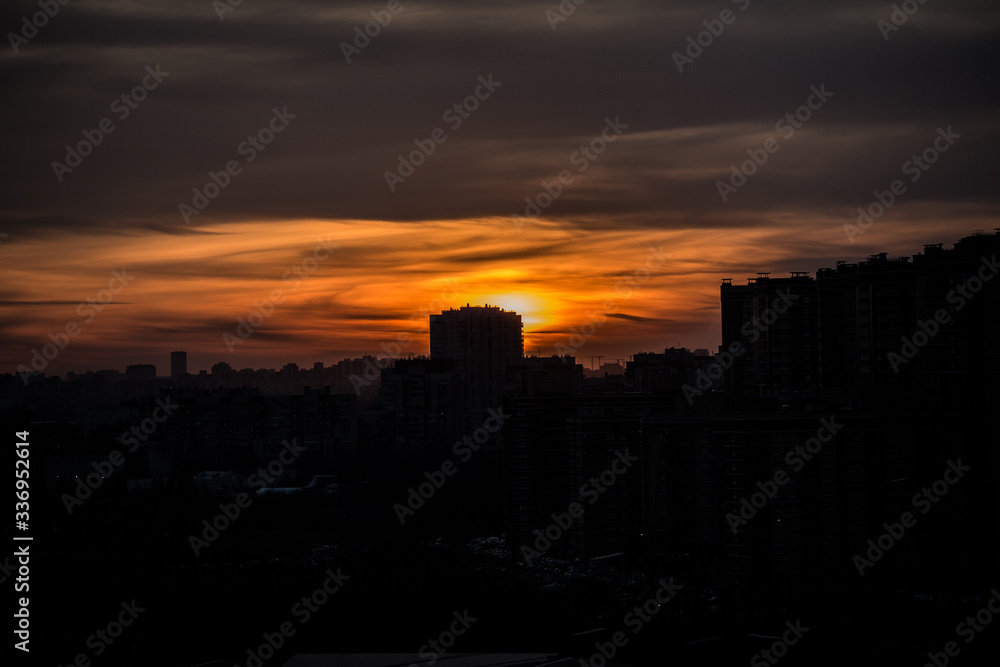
[{"x": 445, "y": 235}]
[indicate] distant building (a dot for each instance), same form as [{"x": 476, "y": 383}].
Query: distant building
[
  {"x": 605, "y": 370},
  {"x": 424, "y": 400},
  {"x": 545, "y": 375},
  {"x": 222, "y": 370},
  {"x": 178, "y": 364},
  {"x": 237, "y": 429},
  {"x": 664, "y": 373},
  {"x": 140, "y": 373},
  {"x": 560, "y": 443}
]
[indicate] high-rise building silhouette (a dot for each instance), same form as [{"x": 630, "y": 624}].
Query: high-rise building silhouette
[
  {"x": 958, "y": 364},
  {"x": 424, "y": 400},
  {"x": 140, "y": 373},
  {"x": 864, "y": 309},
  {"x": 904, "y": 355},
  {"x": 661, "y": 373},
  {"x": 483, "y": 341},
  {"x": 877, "y": 332},
  {"x": 775, "y": 322},
  {"x": 561, "y": 447},
  {"x": 178, "y": 364}
]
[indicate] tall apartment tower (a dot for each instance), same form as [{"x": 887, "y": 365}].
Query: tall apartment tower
[
  {"x": 483, "y": 341},
  {"x": 959, "y": 365},
  {"x": 178, "y": 364},
  {"x": 864, "y": 309},
  {"x": 775, "y": 319}
]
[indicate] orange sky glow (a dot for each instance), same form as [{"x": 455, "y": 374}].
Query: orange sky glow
[{"x": 381, "y": 280}]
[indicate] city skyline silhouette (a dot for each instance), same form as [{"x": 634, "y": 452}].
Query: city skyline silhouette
[{"x": 395, "y": 333}]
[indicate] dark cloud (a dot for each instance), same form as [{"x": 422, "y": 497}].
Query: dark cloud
[
  {"x": 352, "y": 120},
  {"x": 632, "y": 318}
]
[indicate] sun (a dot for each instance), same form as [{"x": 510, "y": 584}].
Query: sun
[{"x": 534, "y": 310}]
